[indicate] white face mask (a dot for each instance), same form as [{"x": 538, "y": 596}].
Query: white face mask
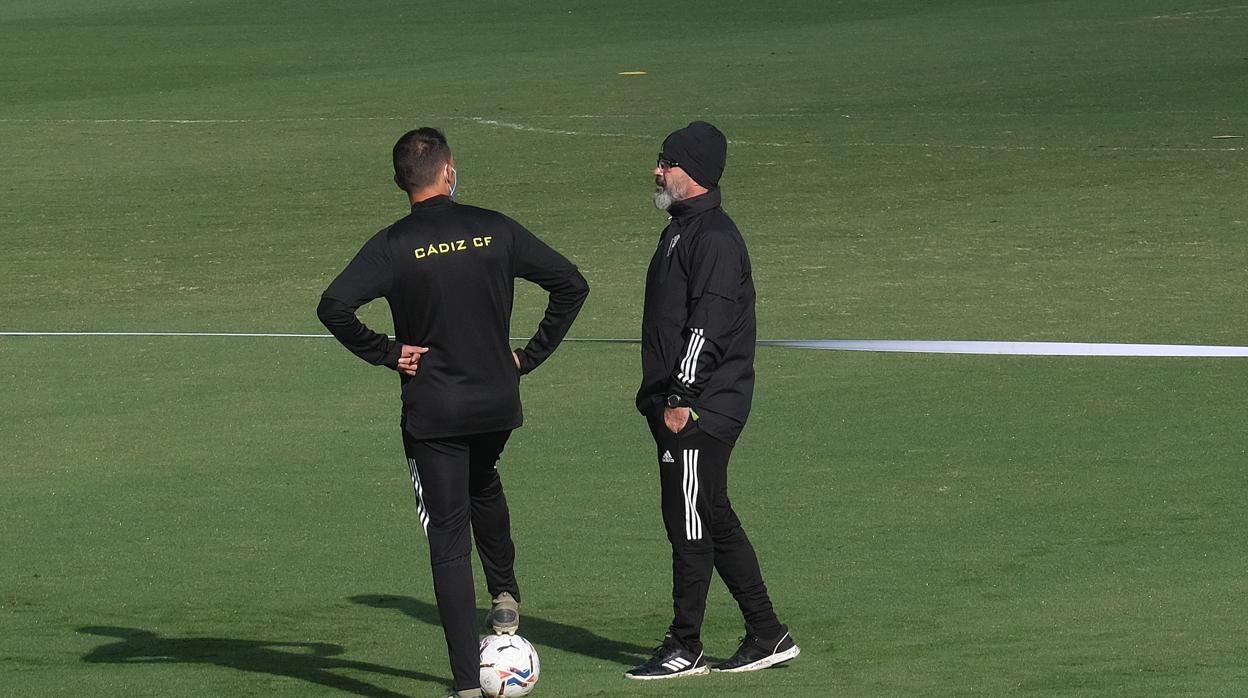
[{"x": 454, "y": 182}]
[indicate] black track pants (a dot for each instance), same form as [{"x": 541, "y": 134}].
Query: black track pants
[
  {"x": 458, "y": 494},
  {"x": 705, "y": 533}
]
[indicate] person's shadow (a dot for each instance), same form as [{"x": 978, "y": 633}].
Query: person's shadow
[
  {"x": 568, "y": 638},
  {"x": 314, "y": 662}
]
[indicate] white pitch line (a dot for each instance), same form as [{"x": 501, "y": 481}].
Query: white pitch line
[
  {"x": 297, "y": 335},
  {"x": 1010, "y": 348},
  {"x": 1197, "y": 13},
  {"x": 870, "y": 345},
  {"x": 516, "y": 126},
  {"x": 280, "y": 335},
  {"x": 554, "y": 131},
  {"x": 277, "y": 120},
  {"x": 1037, "y": 148}
]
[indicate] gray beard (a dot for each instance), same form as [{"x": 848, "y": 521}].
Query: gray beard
[{"x": 665, "y": 197}]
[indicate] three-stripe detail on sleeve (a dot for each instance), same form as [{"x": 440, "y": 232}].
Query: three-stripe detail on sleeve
[
  {"x": 689, "y": 363},
  {"x": 689, "y": 483}
]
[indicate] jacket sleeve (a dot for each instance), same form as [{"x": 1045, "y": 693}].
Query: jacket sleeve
[
  {"x": 714, "y": 267},
  {"x": 366, "y": 278},
  {"x": 537, "y": 262}
]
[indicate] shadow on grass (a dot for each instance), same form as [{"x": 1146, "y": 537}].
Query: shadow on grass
[
  {"x": 314, "y": 662},
  {"x": 568, "y": 638}
]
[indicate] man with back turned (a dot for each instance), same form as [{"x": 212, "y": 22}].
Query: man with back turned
[{"x": 448, "y": 272}]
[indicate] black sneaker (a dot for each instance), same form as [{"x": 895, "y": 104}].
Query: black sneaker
[
  {"x": 756, "y": 653},
  {"x": 668, "y": 662}
]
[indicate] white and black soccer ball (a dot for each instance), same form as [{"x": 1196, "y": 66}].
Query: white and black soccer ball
[{"x": 509, "y": 666}]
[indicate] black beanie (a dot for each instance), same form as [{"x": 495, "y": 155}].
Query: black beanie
[{"x": 700, "y": 150}]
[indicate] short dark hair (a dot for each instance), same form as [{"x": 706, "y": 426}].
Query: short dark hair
[{"x": 418, "y": 155}]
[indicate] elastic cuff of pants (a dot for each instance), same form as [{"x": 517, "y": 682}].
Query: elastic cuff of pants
[
  {"x": 768, "y": 632},
  {"x": 694, "y": 646}
]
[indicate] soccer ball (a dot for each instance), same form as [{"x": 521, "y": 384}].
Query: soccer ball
[{"x": 509, "y": 666}]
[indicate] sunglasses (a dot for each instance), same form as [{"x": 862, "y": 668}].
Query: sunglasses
[{"x": 665, "y": 164}]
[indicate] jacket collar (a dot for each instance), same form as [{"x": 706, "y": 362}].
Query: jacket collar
[
  {"x": 431, "y": 202},
  {"x": 684, "y": 210}
]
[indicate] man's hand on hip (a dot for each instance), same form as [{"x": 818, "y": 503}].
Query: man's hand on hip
[
  {"x": 409, "y": 359},
  {"x": 675, "y": 418}
]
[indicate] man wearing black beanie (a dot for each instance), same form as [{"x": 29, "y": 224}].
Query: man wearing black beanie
[{"x": 697, "y": 360}]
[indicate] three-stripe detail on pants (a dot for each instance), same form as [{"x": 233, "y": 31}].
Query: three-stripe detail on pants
[
  {"x": 689, "y": 483},
  {"x": 689, "y": 364},
  {"x": 421, "y": 511}
]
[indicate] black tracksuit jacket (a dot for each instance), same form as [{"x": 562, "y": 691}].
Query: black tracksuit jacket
[
  {"x": 698, "y": 328},
  {"x": 448, "y": 272}
]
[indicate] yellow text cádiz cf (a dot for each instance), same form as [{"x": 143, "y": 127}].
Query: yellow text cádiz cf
[{"x": 438, "y": 248}]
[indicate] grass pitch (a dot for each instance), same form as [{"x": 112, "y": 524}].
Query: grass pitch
[{"x": 213, "y": 517}]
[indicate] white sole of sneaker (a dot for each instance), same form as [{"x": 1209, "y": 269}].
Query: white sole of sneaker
[
  {"x": 687, "y": 672},
  {"x": 770, "y": 661}
]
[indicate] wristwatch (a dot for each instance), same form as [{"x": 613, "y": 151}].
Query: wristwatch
[{"x": 674, "y": 401}]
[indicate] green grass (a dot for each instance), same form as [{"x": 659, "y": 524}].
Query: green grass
[{"x": 232, "y": 517}]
